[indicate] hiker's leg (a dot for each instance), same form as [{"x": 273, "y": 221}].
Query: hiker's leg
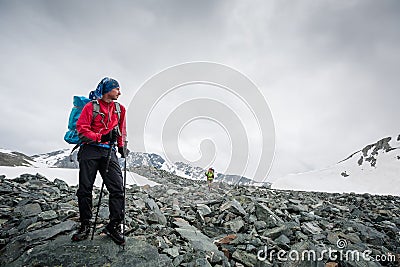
[
  {"x": 114, "y": 183},
  {"x": 87, "y": 175}
]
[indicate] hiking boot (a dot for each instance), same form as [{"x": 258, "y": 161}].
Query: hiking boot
[
  {"x": 83, "y": 232},
  {"x": 113, "y": 230}
]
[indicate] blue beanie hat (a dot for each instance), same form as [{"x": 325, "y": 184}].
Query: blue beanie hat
[{"x": 105, "y": 86}]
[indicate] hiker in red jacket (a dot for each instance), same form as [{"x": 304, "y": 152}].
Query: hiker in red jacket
[{"x": 97, "y": 133}]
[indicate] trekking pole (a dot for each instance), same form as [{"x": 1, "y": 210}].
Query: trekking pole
[
  {"x": 125, "y": 154},
  {"x": 102, "y": 187}
]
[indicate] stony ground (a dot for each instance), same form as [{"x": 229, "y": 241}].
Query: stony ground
[{"x": 181, "y": 223}]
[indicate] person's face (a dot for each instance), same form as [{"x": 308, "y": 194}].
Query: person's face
[{"x": 114, "y": 93}]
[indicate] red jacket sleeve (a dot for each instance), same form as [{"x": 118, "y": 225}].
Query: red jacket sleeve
[{"x": 83, "y": 125}]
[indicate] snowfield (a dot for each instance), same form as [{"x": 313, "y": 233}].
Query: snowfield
[
  {"x": 70, "y": 176},
  {"x": 349, "y": 176},
  {"x": 375, "y": 169}
]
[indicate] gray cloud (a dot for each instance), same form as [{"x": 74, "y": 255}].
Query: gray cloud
[{"x": 328, "y": 69}]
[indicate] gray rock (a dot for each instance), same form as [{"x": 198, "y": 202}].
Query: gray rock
[
  {"x": 157, "y": 217},
  {"x": 62, "y": 185},
  {"x": 282, "y": 240},
  {"x": 311, "y": 228},
  {"x": 26, "y": 222},
  {"x": 368, "y": 233},
  {"x": 297, "y": 208},
  {"x": 172, "y": 192},
  {"x": 164, "y": 261},
  {"x": 197, "y": 239},
  {"x": 202, "y": 263},
  {"x": 352, "y": 237},
  {"x": 178, "y": 260},
  {"x": 300, "y": 236},
  {"x": 235, "y": 225},
  {"x": 99, "y": 252},
  {"x": 151, "y": 204},
  {"x": 65, "y": 206},
  {"x": 48, "y": 215},
  {"x": 260, "y": 225},
  {"x": 234, "y": 207},
  {"x": 28, "y": 210},
  {"x": 46, "y": 233},
  {"x": 203, "y": 209},
  {"x": 104, "y": 212},
  {"x": 275, "y": 232},
  {"x": 263, "y": 213},
  {"x": 247, "y": 259},
  {"x": 139, "y": 203},
  {"x": 173, "y": 252},
  {"x": 16, "y": 247}
]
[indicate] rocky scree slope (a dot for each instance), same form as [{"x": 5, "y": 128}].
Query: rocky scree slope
[{"x": 181, "y": 223}]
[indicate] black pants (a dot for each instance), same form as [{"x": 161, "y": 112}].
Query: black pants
[{"x": 92, "y": 159}]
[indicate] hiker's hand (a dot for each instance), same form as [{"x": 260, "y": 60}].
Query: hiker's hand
[
  {"x": 121, "y": 151},
  {"x": 111, "y": 136}
]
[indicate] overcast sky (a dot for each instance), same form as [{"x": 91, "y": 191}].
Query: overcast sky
[{"x": 329, "y": 70}]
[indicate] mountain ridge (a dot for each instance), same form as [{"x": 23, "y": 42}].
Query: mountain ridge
[
  {"x": 63, "y": 158},
  {"x": 375, "y": 169},
  {"x": 377, "y": 164},
  {"x": 12, "y": 158}
]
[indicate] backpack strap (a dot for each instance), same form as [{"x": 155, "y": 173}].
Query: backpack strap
[
  {"x": 70, "y": 154},
  {"x": 118, "y": 111},
  {"x": 96, "y": 108}
]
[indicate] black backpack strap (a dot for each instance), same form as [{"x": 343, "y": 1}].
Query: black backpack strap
[{"x": 72, "y": 151}]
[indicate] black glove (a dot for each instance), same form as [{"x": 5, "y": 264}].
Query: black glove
[
  {"x": 110, "y": 136},
  {"x": 121, "y": 151},
  {"x": 124, "y": 152}
]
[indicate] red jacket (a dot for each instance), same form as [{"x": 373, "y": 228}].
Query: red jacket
[{"x": 90, "y": 131}]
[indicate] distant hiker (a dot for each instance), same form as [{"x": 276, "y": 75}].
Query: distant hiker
[
  {"x": 210, "y": 177},
  {"x": 97, "y": 134}
]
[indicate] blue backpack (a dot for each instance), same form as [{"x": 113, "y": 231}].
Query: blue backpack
[{"x": 71, "y": 136}]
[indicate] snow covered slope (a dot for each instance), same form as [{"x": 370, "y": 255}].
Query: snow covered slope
[
  {"x": 53, "y": 158},
  {"x": 11, "y": 158},
  {"x": 13, "y": 164},
  {"x": 375, "y": 169},
  {"x": 63, "y": 159},
  {"x": 70, "y": 176}
]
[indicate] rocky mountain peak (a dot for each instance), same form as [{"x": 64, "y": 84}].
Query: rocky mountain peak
[{"x": 370, "y": 152}]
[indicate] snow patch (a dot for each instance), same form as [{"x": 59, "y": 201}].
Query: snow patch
[
  {"x": 70, "y": 176},
  {"x": 349, "y": 176}
]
